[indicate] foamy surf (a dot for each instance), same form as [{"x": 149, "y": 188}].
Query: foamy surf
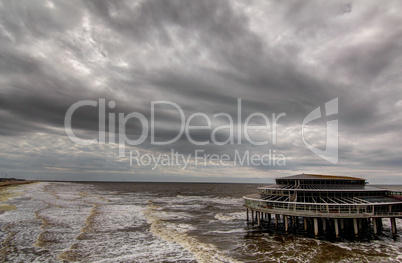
[
  {"x": 201, "y": 251},
  {"x": 73, "y": 222},
  {"x": 229, "y": 216}
]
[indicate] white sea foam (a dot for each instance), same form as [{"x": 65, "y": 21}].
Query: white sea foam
[
  {"x": 223, "y": 217},
  {"x": 59, "y": 221},
  {"x": 202, "y": 199},
  {"x": 201, "y": 251},
  {"x": 56, "y": 221},
  {"x": 236, "y": 230},
  {"x": 174, "y": 215},
  {"x": 230, "y": 216}
]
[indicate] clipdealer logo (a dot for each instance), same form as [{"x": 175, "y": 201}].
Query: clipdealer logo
[
  {"x": 238, "y": 129},
  {"x": 330, "y": 153}
]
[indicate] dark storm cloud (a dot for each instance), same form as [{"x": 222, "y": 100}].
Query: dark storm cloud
[{"x": 278, "y": 57}]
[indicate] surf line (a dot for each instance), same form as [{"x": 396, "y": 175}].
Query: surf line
[
  {"x": 5, "y": 245},
  {"x": 201, "y": 251},
  {"x": 40, "y": 240},
  {"x": 71, "y": 253}
]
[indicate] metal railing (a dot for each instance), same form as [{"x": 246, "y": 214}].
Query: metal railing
[{"x": 330, "y": 210}]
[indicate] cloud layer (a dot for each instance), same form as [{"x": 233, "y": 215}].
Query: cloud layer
[{"x": 277, "y": 57}]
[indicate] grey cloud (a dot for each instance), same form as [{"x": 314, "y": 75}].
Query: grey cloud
[{"x": 288, "y": 57}]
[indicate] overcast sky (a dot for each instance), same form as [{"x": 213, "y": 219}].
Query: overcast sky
[{"x": 275, "y": 56}]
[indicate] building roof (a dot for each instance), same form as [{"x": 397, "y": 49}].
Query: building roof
[
  {"x": 323, "y": 187},
  {"x": 318, "y": 177}
]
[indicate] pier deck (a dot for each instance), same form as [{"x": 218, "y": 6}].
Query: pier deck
[{"x": 326, "y": 198}]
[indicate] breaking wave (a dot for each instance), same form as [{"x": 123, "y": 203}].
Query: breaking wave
[{"x": 202, "y": 252}]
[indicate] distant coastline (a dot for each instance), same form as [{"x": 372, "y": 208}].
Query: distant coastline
[{"x": 13, "y": 182}]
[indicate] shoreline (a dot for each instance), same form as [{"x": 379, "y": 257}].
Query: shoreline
[
  {"x": 10, "y": 183},
  {"x": 6, "y": 193}
]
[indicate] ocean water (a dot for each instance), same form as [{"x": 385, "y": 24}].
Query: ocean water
[{"x": 158, "y": 222}]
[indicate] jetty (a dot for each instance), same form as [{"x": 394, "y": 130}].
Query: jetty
[{"x": 324, "y": 203}]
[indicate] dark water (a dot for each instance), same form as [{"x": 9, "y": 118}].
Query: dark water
[{"x": 158, "y": 222}]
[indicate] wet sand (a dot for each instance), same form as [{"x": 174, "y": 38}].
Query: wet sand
[
  {"x": 5, "y": 194},
  {"x": 8, "y": 183}
]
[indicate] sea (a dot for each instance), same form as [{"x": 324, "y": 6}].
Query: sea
[{"x": 159, "y": 222}]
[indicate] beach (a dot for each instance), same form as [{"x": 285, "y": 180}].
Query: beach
[{"x": 14, "y": 182}]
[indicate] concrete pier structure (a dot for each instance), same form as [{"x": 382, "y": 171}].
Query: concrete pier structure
[
  {"x": 355, "y": 227},
  {"x": 375, "y": 226},
  {"x": 286, "y": 223},
  {"x": 305, "y": 224},
  {"x": 324, "y": 225},
  {"x": 316, "y": 227},
  {"x": 326, "y": 204},
  {"x": 336, "y": 228},
  {"x": 393, "y": 226}
]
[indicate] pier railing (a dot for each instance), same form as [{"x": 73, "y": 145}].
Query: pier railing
[{"x": 321, "y": 210}]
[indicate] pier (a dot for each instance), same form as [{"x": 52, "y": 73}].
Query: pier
[{"x": 324, "y": 203}]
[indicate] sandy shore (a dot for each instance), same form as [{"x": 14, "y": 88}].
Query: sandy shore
[
  {"x": 6, "y": 193},
  {"x": 7, "y": 183}
]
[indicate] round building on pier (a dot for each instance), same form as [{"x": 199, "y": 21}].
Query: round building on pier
[{"x": 324, "y": 202}]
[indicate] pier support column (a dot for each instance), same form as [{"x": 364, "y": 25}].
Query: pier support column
[
  {"x": 360, "y": 223},
  {"x": 252, "y": 216},
  {"x": 285, "y": 221},
  {"x": 355, "y": 226},
  {"x": 259, "y": 218},
  {"x": 375, "y": 226},
  {"x": 247, "y": 214},
  {"x": 380, "y": 224},
  {"x": 336, "y": 227},
  {"x": 305, "y": 224},
  {"x": 324, "y": 225},
  {"x": 316, "y": 227},
  {"x": 393, "y": 226},
  {"x": 269, "y": 219},
  {"x": 276, "y": 220},
  {"x": 342, "y": 224}
]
